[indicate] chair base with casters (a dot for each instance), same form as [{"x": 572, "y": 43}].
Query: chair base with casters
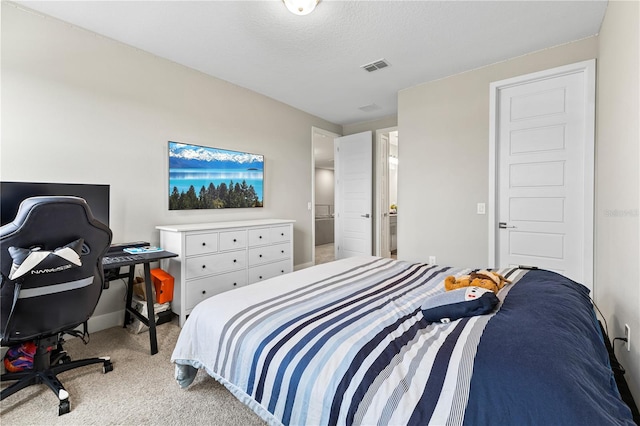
[{"x": 47, "y": 364}]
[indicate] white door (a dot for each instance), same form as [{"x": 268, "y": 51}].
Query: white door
[
  {"x": 382, "y": 211},
  {"x": 353, "y": 176},
  {"x": 544, "y": 143}
]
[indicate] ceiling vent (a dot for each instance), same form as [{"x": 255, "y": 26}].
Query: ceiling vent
[{"x": 375, "y": 66}]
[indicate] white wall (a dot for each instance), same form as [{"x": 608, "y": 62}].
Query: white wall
[
  {"x": 617, "y": 273},
  {"x": 80, "y": 108},
  {"x": 325, "y": 187}
]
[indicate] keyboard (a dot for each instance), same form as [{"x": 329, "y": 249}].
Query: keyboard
[{"x": 108, "y": 260}]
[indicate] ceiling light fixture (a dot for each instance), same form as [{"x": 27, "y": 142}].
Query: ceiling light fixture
[{"x": 301, "y": 7}]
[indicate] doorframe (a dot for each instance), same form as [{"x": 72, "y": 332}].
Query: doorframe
[
  {"x": 329, "y": 134},
  {"x": 589, "y": 69},
  {"x": 379, "y": 208}
]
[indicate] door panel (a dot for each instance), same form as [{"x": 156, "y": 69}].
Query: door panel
[
  {"x": 540, "y": 209},
  {"x": 537, "y": 174},
  {"x": 539, "y": 139},
  {"x": 353, "y": 180}
]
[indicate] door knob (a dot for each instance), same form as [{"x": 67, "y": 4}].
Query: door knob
[{"x": 503, "y": 225}]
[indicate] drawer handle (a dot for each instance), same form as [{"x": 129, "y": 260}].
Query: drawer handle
[
  {"x": 260, "y": 255},
  {"x": 260, "y": 277},
  {"x": 204, "y": 292},
  {"x": 235, "y": 284},
  {"x": 204, "y": 244},
  {"x": 234, "y": 240},
  {"x": 282, "y": 251},
  {"x": 282, "y": 271},
  {"x": 282, "y": 234},
  {"x": 204, "y": 266},
  {"x": 234, "y": 260}
]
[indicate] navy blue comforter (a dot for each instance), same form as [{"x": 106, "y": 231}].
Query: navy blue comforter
[{"x": 542, "y": 360}]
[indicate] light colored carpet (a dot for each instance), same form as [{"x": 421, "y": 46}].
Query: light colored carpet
[
  {"x": 140, "y": 390},
  {"x": 325, "y": 253}
]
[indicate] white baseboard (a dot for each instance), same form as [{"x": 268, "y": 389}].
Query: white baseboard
[{"x": 108, "y": 320}]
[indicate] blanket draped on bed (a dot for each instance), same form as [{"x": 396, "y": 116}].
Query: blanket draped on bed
[{"x": 347, "y": 344}]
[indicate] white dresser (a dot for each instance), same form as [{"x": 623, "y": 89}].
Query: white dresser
[{"x": 220, "y": 256}]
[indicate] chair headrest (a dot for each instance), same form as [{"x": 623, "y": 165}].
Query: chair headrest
[{"x": 51, "y": 222}]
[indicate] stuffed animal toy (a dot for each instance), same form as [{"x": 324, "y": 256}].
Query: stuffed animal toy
[{"x": 483, "y": 279}]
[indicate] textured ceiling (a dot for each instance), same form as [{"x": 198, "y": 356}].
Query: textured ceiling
[{"x": 313, "y": 62}]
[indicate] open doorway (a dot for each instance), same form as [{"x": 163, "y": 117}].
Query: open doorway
[
  {"x": 386, "y": 192},
  {"x": 323, "y": 196}
]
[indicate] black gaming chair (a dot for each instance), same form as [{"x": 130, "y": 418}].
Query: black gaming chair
[{"x": 52, "y": 278}]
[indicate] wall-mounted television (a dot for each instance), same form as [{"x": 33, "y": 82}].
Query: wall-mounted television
[
  {"x": 202, "y": 177},
  {"x": 13, "y": 193}
]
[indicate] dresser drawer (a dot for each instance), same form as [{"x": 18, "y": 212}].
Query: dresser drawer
[
  {"x": 280, "y": 234},
  {"x": 201, "y": 289},
  {"x": 215, "y": 263},
  {"x": 196, "y": 244},
  {"x": 258, "y": 255},
  {"x": 270, "y": 270},
  {"x": 259, "y": 236},
  {"x": 233, "y": 240}
]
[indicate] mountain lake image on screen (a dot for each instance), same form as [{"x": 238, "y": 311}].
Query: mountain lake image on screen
[{"x": 201, "y": 177}]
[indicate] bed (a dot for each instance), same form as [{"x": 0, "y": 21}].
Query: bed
[{"x": 347, "y": 343}]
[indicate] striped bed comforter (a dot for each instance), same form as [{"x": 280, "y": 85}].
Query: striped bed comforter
[{"x": 346, "y": 343}]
